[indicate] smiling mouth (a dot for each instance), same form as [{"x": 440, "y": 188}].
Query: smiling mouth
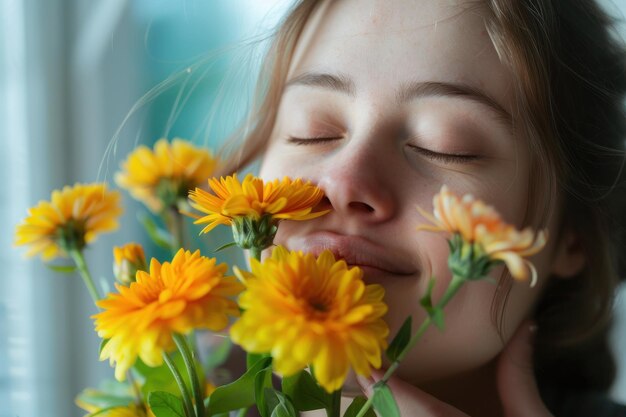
[{"x": 372, "y": 258}]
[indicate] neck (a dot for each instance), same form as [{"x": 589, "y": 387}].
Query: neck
[{"x": 474, "y": 392}]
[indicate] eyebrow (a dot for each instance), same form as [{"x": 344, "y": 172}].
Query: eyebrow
[
  {"x": 336, "y": 82},
  {"x": 407, "y": 92},
  {"x": 415, "y": 90}
]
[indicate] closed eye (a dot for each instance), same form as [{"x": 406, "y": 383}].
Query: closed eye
[
  {"x": 444, "y": 157},
  {"x": 312, "y": 141}
]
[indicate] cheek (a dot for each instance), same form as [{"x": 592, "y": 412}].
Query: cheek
[
  {"x": 271, "y": 168},
  {"x": 469, "y": 340},
  {"x": 472, "y": 334},
  {"x": 278, "y": 162}
]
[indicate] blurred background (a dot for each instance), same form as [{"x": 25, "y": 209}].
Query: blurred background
[{"x": 73, "y": 76}]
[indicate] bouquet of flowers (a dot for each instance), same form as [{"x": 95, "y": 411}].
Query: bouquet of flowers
[{"x": 309, "y": 319}]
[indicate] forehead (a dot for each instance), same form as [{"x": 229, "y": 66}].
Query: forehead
[{"x": 384, "y": 44}]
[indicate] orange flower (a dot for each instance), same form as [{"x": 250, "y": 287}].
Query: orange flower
[
  {"x": 312, "y": 311},
  {"x": 160, "y": 177},
  {"x": 286, "y": 199},
  {"x": 190, "y": 292},
  {"x": 72, "y": 218},
  {"x": 478, "y": 223}
]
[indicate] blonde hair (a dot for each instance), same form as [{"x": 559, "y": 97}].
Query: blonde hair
[
  {"x": 248, "y": 142},
  {"x": 569, "y": 89}
]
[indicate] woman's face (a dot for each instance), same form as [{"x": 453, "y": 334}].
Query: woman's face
[{"x": 385, "y": 102}]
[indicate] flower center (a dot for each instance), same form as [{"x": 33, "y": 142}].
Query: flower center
[{"x": 319, "y": 306}]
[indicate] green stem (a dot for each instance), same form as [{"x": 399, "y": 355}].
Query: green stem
[
  {"x": 79, "y": 259},
  {"x": 335, "y": 404},
  {"x": 190, "y": 364},
  {"x": 255, "y": 253},
  {"x": 242, "y": 412},
  {"x": 193, "y": 345},
  {"x": 175, "y": 224},
  {"x": 181, "y": 385},
  {"x": 452, "y": 289}
]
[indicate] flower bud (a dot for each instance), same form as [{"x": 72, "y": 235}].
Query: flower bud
[
  {"x": 129, "y": 259},
  {"x": 250, "y": 233}
]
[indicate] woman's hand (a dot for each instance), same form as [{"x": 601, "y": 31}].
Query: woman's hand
[
  {"x": 516, "y": 383},
  {"x": 412, "y": 401}
]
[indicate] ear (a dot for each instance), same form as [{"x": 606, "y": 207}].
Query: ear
[{"x": 569, "y": 255}]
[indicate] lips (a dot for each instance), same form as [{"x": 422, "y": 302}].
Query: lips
[{"x": 373, "y": 258}]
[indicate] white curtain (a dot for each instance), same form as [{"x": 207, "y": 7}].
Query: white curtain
[
  {"x": 69, "y": 74},
  {"x": 55, "y": 122},
  {"x": 32, "y": 134}
]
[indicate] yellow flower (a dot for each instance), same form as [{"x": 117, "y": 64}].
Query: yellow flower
[
  {"x": 286, "y": 199},
  {"x": 190, "y": 292},
  {"x": 480, "y": 225},
  {"x": 308, "y": 311},
  {"x": 72, "y": 218},
  {"x": 161, "y": 177},
  {"x": 254, "y": 208},
  {"x": 128, "y": 259}
]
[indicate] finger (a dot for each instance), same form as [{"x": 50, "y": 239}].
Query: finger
[
  {"x": 517, "y": 386},
  {"x": 411, "y": 400}
]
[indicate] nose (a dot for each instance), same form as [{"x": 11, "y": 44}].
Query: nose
[{"x": 357, "y": 184}]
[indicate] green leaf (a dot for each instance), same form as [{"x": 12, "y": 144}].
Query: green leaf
[
  {"x": 159, "y": 236},
  {"x": 305, "y": 393},
  {"x": 435, "y": 313},
  {"x": 262, "y": 382},
  {"x": 400, "y": 341},
  {"x": 253, "y": 358},
  {"x": 384, "y": 402},
  {"x": 426, "y": 301},
  {"x": 64, "y": 269},
  {"x": 279, "y": 404},
  {"x": 164, "y": 404},
  {"x": 237, "y": 394},
  {"x": 159, "y": 378},
  {"x": 286, "y": 402},
  {"x": 355, "y": 407},
  {"x": 225, "y": 246},
  {"x": 270, "y": 401},
  {"x": 110, "y": 393},
  {"x": 282, "y": 410}
]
